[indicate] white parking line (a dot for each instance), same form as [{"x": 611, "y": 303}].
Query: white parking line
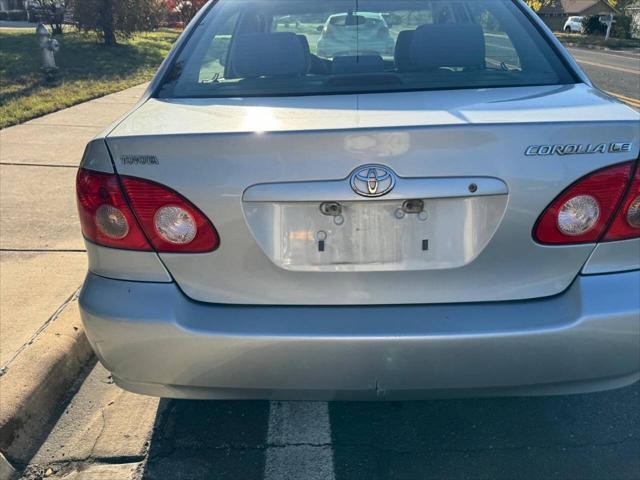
[{"x": 299, "y": 442}]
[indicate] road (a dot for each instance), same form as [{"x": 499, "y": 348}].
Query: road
[
  {"x": 106, "y": 433},
  {"x": 616, "y": 72}
]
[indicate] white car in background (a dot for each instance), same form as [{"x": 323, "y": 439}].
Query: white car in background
[
  {"x": 573, "y": 25},
  {"x": 353, "y": 33}
]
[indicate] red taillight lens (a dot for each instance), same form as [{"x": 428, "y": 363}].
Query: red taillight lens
[
  {"x": 171, "y": 222},
  {"x": 148, "y": 213},
  {"x": 105, "y": 217},
  {"x": 584, "y": 210},
  {"x": 626, "y": 223}
]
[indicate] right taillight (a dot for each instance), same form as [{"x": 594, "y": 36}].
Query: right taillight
[
  {"x": 626, "y": 223},
  {"x": 598, "y": 207}
]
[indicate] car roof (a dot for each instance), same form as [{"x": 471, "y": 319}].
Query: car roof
[{"x": 362, "y": 14}]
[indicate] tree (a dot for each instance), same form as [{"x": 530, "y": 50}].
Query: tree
[
  {"x": 51, "y": 12},
  {"x": 621, "y": 4},
  {"x": 111, "y": 19},
  {"x": 593, "y": 26},
  {"x": 185, "y": 10},
  {"x": 536, "y": 5}
]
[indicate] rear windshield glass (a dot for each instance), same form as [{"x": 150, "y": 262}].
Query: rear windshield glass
[{"x": 297, "y": 47}]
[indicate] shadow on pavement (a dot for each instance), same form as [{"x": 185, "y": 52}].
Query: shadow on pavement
[
  {"x": 202, "y": 440},
  {"x": 595, "y": 436}
]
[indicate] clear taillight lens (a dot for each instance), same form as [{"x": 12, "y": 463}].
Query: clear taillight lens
[
  {"x": 633, "y": 214},
  {"x": 175, "y": 225},
  {"x": 582, "y": 213},
  {"x": 626, "y": 224},
  {"x": 578, "y": 215},
  {"x": 112, "y": 222},
  {"x": 143, "y": 216},
  {"x": 105, "y": 216}
]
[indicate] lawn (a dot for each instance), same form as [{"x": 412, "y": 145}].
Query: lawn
[{"x": 87, "y": 70}]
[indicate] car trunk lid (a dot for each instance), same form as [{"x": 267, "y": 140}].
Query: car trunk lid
[{"x": 263, "y": 170}]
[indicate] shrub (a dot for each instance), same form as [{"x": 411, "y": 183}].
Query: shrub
[
  {"x": 111, "y": 18},
  {"x": 622, "y": 28},
  {"x": 593, "y": 26},
  {"x": 182, "y": 11},
  {"x": 51, "y": 12}
]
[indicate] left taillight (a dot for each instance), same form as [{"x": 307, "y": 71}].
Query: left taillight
[
  {"x": 144, "y": 216},
  {"x": 105, "y": 216}
]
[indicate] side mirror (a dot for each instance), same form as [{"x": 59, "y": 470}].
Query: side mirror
[{"x": 320, "y": 28}]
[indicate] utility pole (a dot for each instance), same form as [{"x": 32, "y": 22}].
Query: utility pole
[{"x": 608, "y": 21}]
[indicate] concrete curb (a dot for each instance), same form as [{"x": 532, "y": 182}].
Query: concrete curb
[
  {"x": 6, "y": 470},
  {"x": 600, "y": 47},
  {"x": 38, "y": 380}
]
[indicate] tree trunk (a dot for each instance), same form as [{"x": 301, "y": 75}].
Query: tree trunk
[{"x": 107, "y": 22}]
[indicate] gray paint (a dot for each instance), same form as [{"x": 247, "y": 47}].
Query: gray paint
[
  {"x": 387, "y": 335},
  {"x": 151, "y": 335},
  {"x": 126, "y": 264},
  {"x": 96, "y": 156},
  {"x": 614, "y": 257},
  {"x": 435, "y": 135}
]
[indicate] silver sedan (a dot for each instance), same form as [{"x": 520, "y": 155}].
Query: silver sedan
[{"x": 461, "y": 217}]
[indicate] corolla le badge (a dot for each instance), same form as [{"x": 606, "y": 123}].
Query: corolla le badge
[
  {"x": 578, "y": 149},
  {"x": 372, "y": 180}
]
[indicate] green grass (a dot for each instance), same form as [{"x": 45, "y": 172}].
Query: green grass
[
  {"x": 573, "y": 39},
  {"x": 87, "y": 70}
]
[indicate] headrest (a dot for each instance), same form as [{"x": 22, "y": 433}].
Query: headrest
[
  {"x": 358, "y": 64},
  {"x": 448, "y": 45},
  {"x": 269, "y": 54},
  {"x": 305, "y": 44},
  {"x": 402, "y": 54}
]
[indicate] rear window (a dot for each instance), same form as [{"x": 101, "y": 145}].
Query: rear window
[{"x": 306, "y": 47}]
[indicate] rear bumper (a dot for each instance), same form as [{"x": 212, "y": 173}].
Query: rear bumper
[{"x": 156, "y": 341}]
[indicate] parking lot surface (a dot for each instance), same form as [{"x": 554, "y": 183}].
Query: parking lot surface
[{"x": 107, "y": 431}]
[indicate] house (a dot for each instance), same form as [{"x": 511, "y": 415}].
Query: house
[
  {"x": 6, "y": 5},
  {"x": 633, "y": 11},
  {"x": 556, "y": 14}
]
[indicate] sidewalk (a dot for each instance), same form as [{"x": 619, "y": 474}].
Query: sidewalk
[
  {"x": 42, "y": 259},
  {"x": 13, "y": 24}
]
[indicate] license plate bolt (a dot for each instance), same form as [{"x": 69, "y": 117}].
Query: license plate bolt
[
  {"x": 332, "y": 209},
  {"x": 413, "y": 206}
]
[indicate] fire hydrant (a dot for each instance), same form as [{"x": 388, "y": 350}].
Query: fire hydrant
[{"x": 49, "y": 47}]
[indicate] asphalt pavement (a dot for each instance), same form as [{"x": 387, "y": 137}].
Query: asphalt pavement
[
  {"x": 616, "y": 72},
  {"x": 107, "y": 433}
]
